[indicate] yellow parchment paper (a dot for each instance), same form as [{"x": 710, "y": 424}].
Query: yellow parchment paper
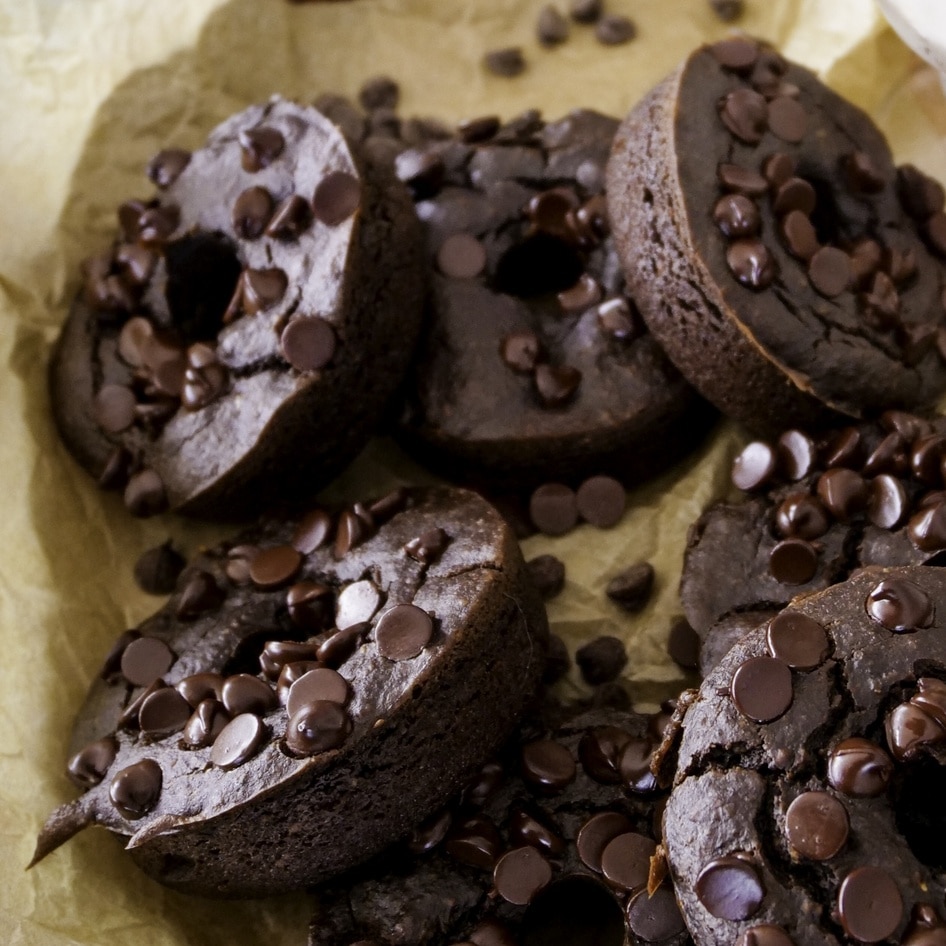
[{"x": 89, "y": 89}]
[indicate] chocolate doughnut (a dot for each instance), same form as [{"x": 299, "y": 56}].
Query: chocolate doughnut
[
  {"x": 535, "y": 365},
  {"x": 814, "y": 509},
  {"x": 239, "y": 341},
  {"x": 791, "y": 272},
  {"x": 551, "y": 843},
  {"x": 312, "y": 691},
  {"x": 807, "y": 804}
]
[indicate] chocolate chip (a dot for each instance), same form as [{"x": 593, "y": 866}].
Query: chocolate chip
[
  {"x": 888, "y": 502},
  {"x": 243, "y": 693},
  {"x": 145, "y": 660},
  {"x": 869, "y": 904},
  {"x": 788, "y": 119},
  {"x": 199, "y": 594},
  {"x": 816, "y": 825},
  {"x": 357, "y": 603},
  {"x": 859, "y": 768},
  {"x": 900, "y": 605},
  {"x": 796, "y": 454},
  {"x": 601, "y": 750},
  {"x": 920, "y": 195},
  {"x": 909, "y": 729},
  {"x": 166, "y": 166},
  {"x": 799, "y": 235},
  {"x": 601, "y": 501},
  {"x": 521, "y": 350},
  {"x": 337, "y": 196},
  {"x": 534, "y": 828},
  {"x": 745, "y": 113},
  {"x": 461, "y": 256},
  {"x": 551, "y": 27},
  {"x": 736, "y": 216},
  {"x": 582, "y": 295},
  {"x": 655, "y": 918},
  {"x": 625, "y": 861},
  {"x": 157, "y": 570},
  {"x": 762, "y": 688},
  {"x": 290, "y": 219},
  {"x": 764, "y": 935},
  {"x": 683, "y": 644},
  {"x": 557, "y": 661},
  {"x": 198, "y": 687},
  {"x": 829, "y": 271},
  {"x": 312, "y": 532},
  {"x": 238, "y": 741},
  {"x": 163, "y": 712},
  {"x": 798, "y": 640},
  {"x": 742, "y": 180},
  {"x": 934, "y": 230},
  {"x": 205, "y": 724},
  {"x": 520, "y": 874},
  {"x": 730, "y": 888},
  {"x": 927, "y": 527},
  {"x": 274, "y": 567},
  {"x": 157, "y": 224},
  {"x": 778, "y": 168},
  {"x": 338, "y": 647},
  {"x": 308, "y": 343},
  {"x": 430, "y": 832},
  {"x": 801, "y": 516},
  {"x": 737, "y": 54},
  {"x": 793, "y": 561},
  {"x": 144, "y": 494},
  {"x": 585, "y": 11},
  {"x": 632, "y": 587},
  {"x": 479, "y": 129},
  {"x": 290, "y": 673},
  {"x": 795, "y": 194},
  {"x": 843, "y": 492},
  {"x": 613, "y": 29},
  {"x": 259, "y": 147},
  {"x": 114, "y": 408},
  {"x": 474, "y": 841},
  {"x": 309, "y": 604},
  {"x": 136, "y": 789},
  {"x": 931, "y": 698},
  {"x": 751, "y": 263},
  {"x": 595, "y": 835},
  {"x": 616, "y": 320},
  {"x": 861, "y": 174},
  {"x": 547, "y": 764},
  {"x": 403, "y": 632},
  {"x": 601, "y": 660},
  {"x": 506, "y": 62},
  {"x": 319, "y": 684},
  {"x": 556, "y": 385},
  {"x": 252, "y": 211},
  {"x": 547, "y": 574},
  {"x": 91, "y": 763},
  {"x": 754, "y": 466},
  {"x": 379, "y": 92},
  {"x": 553, "y": 509},
  {"x": 277, "y": 654}
]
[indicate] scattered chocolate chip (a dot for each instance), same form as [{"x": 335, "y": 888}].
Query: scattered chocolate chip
[
  {"x": 754, "y": 466},
  {"x": 114, "y": 408},
  {"x": 859, "y": 768},
  {"x": 474, "y": 841},
  {"x": 338, "y": 647},
  {"x": 252, "y": 211},
  {"x": 843, "y": 492},
  {"x": 521, "y": 351},
  {"x": 274, "y": 567},
  {"x": 308, "y": 343},
  {"x": 290, "y": 219},
  {"x": 145, "y": 660},
  {"x": 683, "y": 644},
  {"x": 547, "y": 574},
  {"x": 778, "y": 168},
  {"x": 166, "y": 166},
  {"x": 553, "y": 509},
  {"x": 909, "y": 729},
  {"x": 656, "y": 917},
  {"x": 632, "y": 587},
  {"x": 801, "y": 516},
  {"x": 765, "y": 934},
  {"x": 557, "y": 661},
  {"x": 144, "y": 494},
  {"x": 321, "y": 683},
  {"x": 745, "y": 113},
  {"x": 200, "y": 593},
  {"x": 920, "y": 195},
  {"x": 312, "y": 532},
  {"x": 595, "y": 835},
  {"x": 793, "y": 561},
  {"x": 259, "y": 147},
  {"x": 799, "y": 235},
  {"x": 163, "y": 712},
  {"x": 861, "y": 174},
  {"x": 762, "y": 689},
  {"x": 337, "y": 196},
  {"x": 927, "y": 527},
  {"x": 551, "y": 27},
  {"x": 356, "y": 603},
  {"x": 136, "y": 789},
  {"x": 157, "y": 224},
  {"x": 238, "y": 741},
  {"x": 625, "y": 861},
  {"x": 601, "y": 660},
  {"x": 737, "y": 54},
  {"x": 91, "y": 763},
  {"x": 737, "y": 216},
  {"x": 613, "y": 29},
  {"x": 616, "y": 320},
  {"x": 817, "y": 825},
  {"x": 507, "y": 62},
  {"x": 751, "y": 263},
  {"x": 520, "y": 874},
  {"x": 403, "y": 632},
  {"x": 601, "y": 501},
  {"x": 582, "y": 295},
  {"x": 727, "y": 10},
  {"x": 829, "y": 271},
  {"x": 157, "y": 570},
  {"x": 730, "y": 888},
  {"x": 547, "y": 764},
  {"x": 205, "y": 724},
  {"x": 869, "y": 904},
  {"x": 461, "y": 256},
  {"x": 788, "y": 119},
  {"x": 556, "y": 385},
  {"x": 421, "y": 170},
  {"x": 888, "y": 502},
  {"x": 199, "y": 687},
  {"x": 585, "y": 11},
  {"x": 900, "y": 605},
  {"x": 741, "y": 180},
  {"x": 379, "y": 92},
  {"x": 798, "y": 640},
  {"x": 244, "y": 693},
  {"x": 795, "y": 194},
  {"x": 479, "y": 129}
]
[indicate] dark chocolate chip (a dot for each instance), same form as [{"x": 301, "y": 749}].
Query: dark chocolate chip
[
  {"x": 866, "y": 256},
  {"x": 796, "y": 454},
  {"x": 600, "y": 751},
  {"x": 737, "y": 216},
  {"x": 163, "y": 712},
  {"x": 601, "y": 501},
  {"x": 920, "y": 195},
  {"x": 632, "y": 587},
  {"x": 337, "y": 196},
  {"x": 754, "y": 466},
  {"x": 259, "y": 147},
  {"x": 585, "y": 11},
  {"x": 243, "y": 693},
  {"x": 428, "y": 546},
  {"x": 157, "y": 570},
  {"x": 520, "y": 874},
  {"x": 290, "y": 219},
  {"x": 274, "y": 567},
  {"x": 403, "y": 632},
  {"x": 798, "y": 640},
  {"x": 745, "y": 113},
  {"x": 277, "y": 654},
  {"x": 551, "y": 28},
  {"x": 322, "y": 683},
  {"x": 263, "y": 288},
  {"x": 888, "y": 502},
  {"x": 817, "y": 825},
  {"x": 461, "y": 256},
  {"x": 829, "y": 271},
  {"x": 788, "y": 119},
  {"x": 534, "y": 828},
  {"x": 909, "y": 729},
  {"x": 861, "y": 173},
  {"x": 114, "y": 408},
  {"x": 927, "y": 527},
  {"x": 635, "y": 767},
  {"x": 683, "y": 644},
  {"x": 843, "y": 492},
  {"x": 200, "y": 593},
  {"x": 506, "y": 62},
  {"x": 556, "y": 385},
  {"x": 91, "y": 763},
  {"x": 252, "y": 211},
  {"x": 356, "y": 603},
  {"x": 205, "y": 724},
  {"x": 751, "y": 263},
  {"x": 889, "y": 456},
  {"x": 736, "y": 54},
  {"x": 799, "y": 235},
  {"x": 595, "y": 835},
  {"x": 613, "y": 29},
  {"x": 730, "y": 888},
  {"x": 547, "y": 764},
  {"x": 547, "y": 574},
  {"x": 900, "y": 605},
  {"x": 582, "y": 295},
  {"x": 238, "y": 741},
  {"x": 934, "y": 230},
  {"x": 795, "y": 194},
  {"x": 601, "y": 660},
  {"x": 338, "y": 647},
  {"x": 869, "y": 904},
  {"x": 166, "y": 166},
  {"x": 859, "y": 768},
  {"x": 625, "y": 861},
  {"x": 801, "y": 516},
  {"x": 312, "y": 532},
  {"x": 379, "y": 92},
  {"x": 479, "y": 129},
  {"x": 656, "y": 917},
  {"x": 616, "y": 320},
  {"x": 145, "y": 660},
  {"x": 742, "y": 180},
  {"x": 765, "y": 934},
  {"x": 309, "y": 604},
  {"x": 474, "y": 841},
  {"x": 845, "y": 448},
  {"x": 793, "y": 561},
  {"x": 521, "y": 350},
  {"x": 430, "y": 832},
  {"x": 308, "y": 343},
  {"x": 931, "y": 698},
  {"x": 778, "y": 168},
  {"x": 762, "y": 688},
  {"x": 553, "y": 509},
  {"x": 199, "y": 687},
  {"x": 157, "y": 224},
  {"x": 136, "y": 789},
  {"x": 144, "y": 493}
]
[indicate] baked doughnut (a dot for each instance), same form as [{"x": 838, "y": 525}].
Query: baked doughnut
[
  {"x": 312, "y": 691},
  {"x": 551, "y": 843},
  {"x": 534, "y": 365},
  {"x": 813, "y": 510},
  {"x": 240, "y": 340},
  {"x": 807, "y": 805},
  {"x": 790, "y": 271}
]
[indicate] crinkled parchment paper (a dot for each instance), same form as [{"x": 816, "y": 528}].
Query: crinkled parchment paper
[{"x": 89, "y": 90}]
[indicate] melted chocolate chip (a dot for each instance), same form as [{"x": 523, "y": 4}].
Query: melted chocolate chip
[
  {"x": 798, "y": 640},
  {"x": 730, "y": 888},
  {"x": 817, "y": 825},
  {"x": 859, "y": 768},
  {"x": 900, "y": 605}
]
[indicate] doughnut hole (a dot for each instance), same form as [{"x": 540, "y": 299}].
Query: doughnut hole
[
  {"x": 538, "y": 265},
  {"x": 920, "y": 814},
  {"x": 203, "y": 270},
  {"x": 574, "y": 910}
]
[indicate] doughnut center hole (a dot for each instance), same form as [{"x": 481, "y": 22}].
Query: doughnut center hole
[
  {"x": 825, "y": 218},
  {"x": 921, "y": 812},
  {"x": 203, "y": 270},
  {"x": 574, "y": 911},
  {"x": 538, "y": 265}
]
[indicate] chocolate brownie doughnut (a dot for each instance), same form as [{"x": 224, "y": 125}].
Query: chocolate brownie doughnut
[
  {"x": 790, "y": 271},
  {"x": 312, "y": 691},
  {"x": 807, "y": 805},
  {"x": 552, "y": 843},
  {"x": 238, "y": 343},
  {"x": 534, "y": 364},
  {"x": 814, "y": 509}
]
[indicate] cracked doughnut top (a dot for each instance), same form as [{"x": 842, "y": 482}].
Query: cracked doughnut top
[
  {"x": 790, "y": 270},
  {"x": 274, "y": 723},
  {"x": 814, "y": 509},
  {"x": 807, "y": 803},
  {"x": 536, "y": 364},
  {"x": 239, "y": 340},
  {"x": 551, "y": 843}
]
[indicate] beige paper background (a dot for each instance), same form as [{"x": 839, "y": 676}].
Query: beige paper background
[{"x": 89, "y": 90}]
